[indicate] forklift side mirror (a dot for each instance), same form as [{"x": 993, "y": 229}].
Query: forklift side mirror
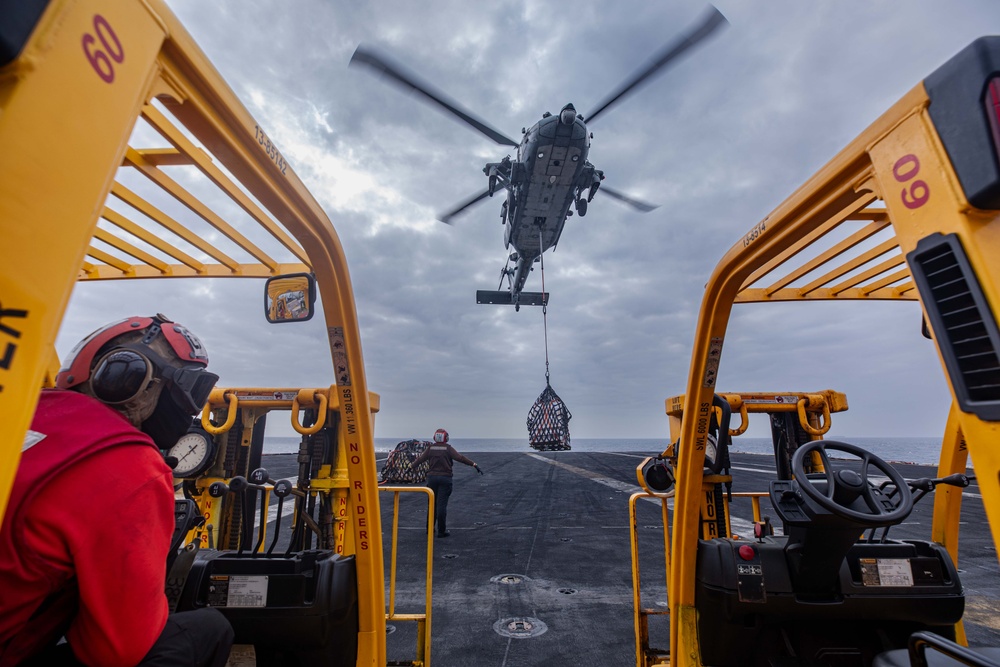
[{"x": 290, "y": 298}]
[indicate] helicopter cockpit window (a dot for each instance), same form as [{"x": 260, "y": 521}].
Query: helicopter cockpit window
[{"x": 290, "y": 298}]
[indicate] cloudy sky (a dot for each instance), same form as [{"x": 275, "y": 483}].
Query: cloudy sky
[{"x": 718, "y": 140}]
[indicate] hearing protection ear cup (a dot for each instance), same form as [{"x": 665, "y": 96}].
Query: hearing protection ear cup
[{"x": 120, "y": 375}]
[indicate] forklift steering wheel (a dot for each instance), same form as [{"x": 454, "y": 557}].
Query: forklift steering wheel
[{"x": 843, "y": 485}]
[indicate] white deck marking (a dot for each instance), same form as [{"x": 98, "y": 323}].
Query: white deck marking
[
  {"x": 289, "y": 508},
  {"x": 738, "y": 525}
]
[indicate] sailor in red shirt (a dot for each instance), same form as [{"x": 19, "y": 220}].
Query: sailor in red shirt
[
  {"x": 84, "y": 541},
  {"x": 441, "y": 454}
]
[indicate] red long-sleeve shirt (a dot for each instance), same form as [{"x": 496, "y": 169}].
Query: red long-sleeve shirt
[
  {"x": 106, "y": 520},
  {"x": 440, "y": 457}
]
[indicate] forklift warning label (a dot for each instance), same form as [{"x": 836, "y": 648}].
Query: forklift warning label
[
  {"x": 886, "y": 572},
  {"x": 339, "y": 349},
  {"x": 237, "y": 591},
  {"x": 712, "y": 363},
  {"x": 244, "y": 395}
]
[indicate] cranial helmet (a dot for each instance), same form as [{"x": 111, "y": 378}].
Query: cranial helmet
[
  {"x": 148, "y": 368},
  {"x": 440, "y": 435}
]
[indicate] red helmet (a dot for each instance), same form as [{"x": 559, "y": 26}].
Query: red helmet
[
  {"x": 119, "y": 362},
  {"x": 440, "y": 435}
]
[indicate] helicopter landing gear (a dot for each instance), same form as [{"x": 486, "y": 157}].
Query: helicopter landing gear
[
  {"x": 595, "y": 183},
  {"x": 581, "y": 206},
  {"x": 498, "y": 171}
]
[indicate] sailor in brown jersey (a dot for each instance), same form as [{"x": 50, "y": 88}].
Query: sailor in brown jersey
[{"x": 440, "y": 456}]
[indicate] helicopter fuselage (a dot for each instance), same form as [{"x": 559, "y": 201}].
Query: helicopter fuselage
[{"x": 551, "y": 173}]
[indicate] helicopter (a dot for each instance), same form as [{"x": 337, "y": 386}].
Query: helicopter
[{"x": 551, "y": 175}]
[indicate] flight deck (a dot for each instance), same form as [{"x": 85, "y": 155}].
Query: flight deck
[{"x": 533, "y": 572}]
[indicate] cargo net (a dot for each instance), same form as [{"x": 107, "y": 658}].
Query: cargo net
[
  {"x": 548, "y": 422},
  {"x": 398, "y": 466}
]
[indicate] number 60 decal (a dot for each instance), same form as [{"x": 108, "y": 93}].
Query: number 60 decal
[
  {"x": 916, "y": 193},
  {"x": 101, "y": 59}
]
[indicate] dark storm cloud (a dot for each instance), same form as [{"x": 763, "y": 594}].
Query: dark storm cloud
[{"x": 717, "y": 140}]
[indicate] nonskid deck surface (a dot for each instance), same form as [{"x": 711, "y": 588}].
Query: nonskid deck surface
[{"x": 536, "y": 569}]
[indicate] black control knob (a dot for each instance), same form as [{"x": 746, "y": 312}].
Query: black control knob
[
  {"x": 218, "y": 489},
  {"x": 261, "y": 476}
]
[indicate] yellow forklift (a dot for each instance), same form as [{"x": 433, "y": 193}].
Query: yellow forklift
[
  {"x": 126, "y": 156},
  {"x": 909, "y": 210}
]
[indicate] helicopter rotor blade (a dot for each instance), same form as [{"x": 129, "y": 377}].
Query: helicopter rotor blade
[
  {"x": 446, "y": 217},
  {"x": 366, "y": 56},
  {"x": 712, "y": 20},
  {"x": 637, "y": 204}
]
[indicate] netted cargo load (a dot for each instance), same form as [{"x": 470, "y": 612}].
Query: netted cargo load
[
  {"x": 548, "y": 422},
  {"x": 398, "y": 468}
]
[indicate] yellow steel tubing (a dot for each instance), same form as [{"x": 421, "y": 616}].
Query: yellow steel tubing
[
  {"x": 197, "y": 157},
  {"x": 423, "y": 620},
  {"x": 828, "y": 223},
  {"x": 873, "y": 272},
  {"x": 135, "y": 159},
  {"x": 108, "y": 258},
  {"x": 945, "y": 210},
  {"x": 948, "y": 499},
  {"x": 791, "y": 294},
  {"x": 281, "y": 398},
  {"x": 754, "y": 497},
  {"x": 165, "y": 157},
  {"x": 639, "y": 615},
  {"x": 58, "y": 228},
  {"x": 320, "y": 398},
  {"x": 233, "y": 139},
  {"x": 162, "y": 61},
  {"x": 128, "y": 248},
  {"x": 890, "y": 279},
  {"x": 105, "y": 272},
  {"x": 822, "y": 258},
  {"x": 741, "y": 407},
  {"x": 851, "y": 264},
  {"x": 757, "y": 401},
  {"x": 638, "y": 621},
  {"x": 132, "y": 228},
  {"x": 392, "y": 557},
  {"x": 804, "y": 421},
  {"x": 206, "y": 415},
  {"x": 168, "y": 223},
  {"x": 829, "y": 193}
]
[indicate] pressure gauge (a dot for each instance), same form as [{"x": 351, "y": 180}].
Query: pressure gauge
[{"x": 195, "y": 453}]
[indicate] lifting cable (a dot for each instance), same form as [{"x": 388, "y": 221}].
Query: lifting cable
[
  {"x": 548, "y": 419},
  {"x": 545, "y": 307}
]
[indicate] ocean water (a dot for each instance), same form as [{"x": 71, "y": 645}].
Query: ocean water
[{"x": 923, "y": 451}]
